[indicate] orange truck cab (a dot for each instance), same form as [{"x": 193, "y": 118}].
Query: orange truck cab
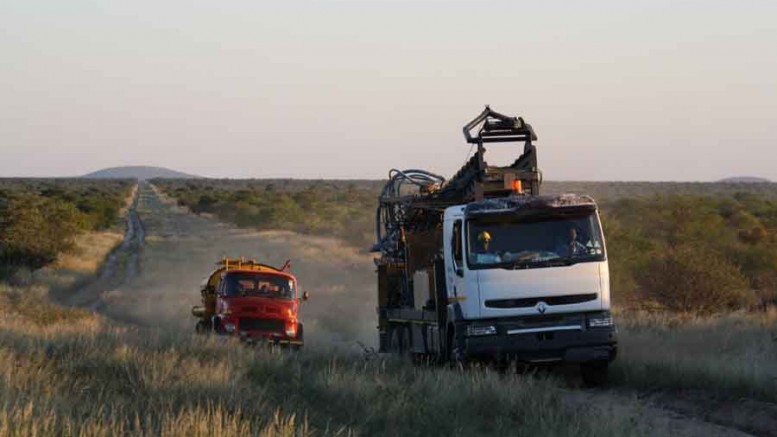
[{"x": 253, "y": 301}]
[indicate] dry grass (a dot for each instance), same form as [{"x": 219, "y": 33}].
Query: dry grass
[
  {"x": 728, "y": 355},
  {"x": 89, "y": 252},
  {"x": 86, "y": 377},
  {"x": 79, "y": 266},
  {"x": 67, "y": 371},
  {"x": 30, "y": 299}
]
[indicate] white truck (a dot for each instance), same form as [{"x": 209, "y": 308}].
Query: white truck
[{"x": 483, "y": 267}]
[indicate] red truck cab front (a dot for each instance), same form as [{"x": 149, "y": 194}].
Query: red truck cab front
[{"x": 256, "y": 302}]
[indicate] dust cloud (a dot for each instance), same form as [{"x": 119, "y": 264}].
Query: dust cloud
[{"x": 181, "y": 249}]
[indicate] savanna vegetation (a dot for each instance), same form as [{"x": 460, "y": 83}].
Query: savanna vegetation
[
  {"x": 688, "y": 247},
  {"x": 86, "y": 377},
  {"x": 342, "y": 209},
  {"x": 40, "y": 218},
  {"x": 69, "y": 371},
  {"x": 694, "y": 253}
]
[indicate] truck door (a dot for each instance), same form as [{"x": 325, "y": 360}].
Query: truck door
[{"x": 456, "y": 284}]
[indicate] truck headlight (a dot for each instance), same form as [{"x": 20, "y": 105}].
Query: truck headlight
[
  {"x": 291, "y": 330},
  {"x": 229, "y": 327},
  {"x": 600, "y": 321},
  {"x": 475, "y": 330}
]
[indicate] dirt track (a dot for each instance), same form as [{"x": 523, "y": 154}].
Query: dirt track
[{"x": 168, "y": 251}]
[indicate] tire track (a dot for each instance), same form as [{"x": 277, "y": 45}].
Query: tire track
[{"x": 122, "y": 265}]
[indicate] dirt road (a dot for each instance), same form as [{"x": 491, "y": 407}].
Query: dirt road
[{"x": 168, "y": 251}]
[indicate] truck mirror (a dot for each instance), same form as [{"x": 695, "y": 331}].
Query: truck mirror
[
  {"x": 459, "y": 271},
  {"x": 305, "y": 295}
]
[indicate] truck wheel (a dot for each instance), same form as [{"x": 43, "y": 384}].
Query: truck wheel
[
  {"x": 455, "y": 354},
  {"x": 300, "y": 337},
  {"x": 202, "y": 327},
  {"x": 398, "y": 342},
  {"x": 595, "y": 373},
  {"x": 397, "y": 345},
  {"x": 216, "y": 327}
]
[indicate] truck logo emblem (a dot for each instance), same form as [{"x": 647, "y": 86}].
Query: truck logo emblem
[{"x": 541, "y": 307}]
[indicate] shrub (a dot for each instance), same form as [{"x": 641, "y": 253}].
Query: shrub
[
  {"x": 40, "y": 217},
  {"x": 35, "y": 229},
  {"x": 687, "y": 279}
]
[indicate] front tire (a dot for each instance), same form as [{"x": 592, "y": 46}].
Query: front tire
[
  {"x": 202, "y": 327},
  {"x": 453, "y": 348},
  {"x": 216, "y": 327},
  {"x": 300, "y": 337}
]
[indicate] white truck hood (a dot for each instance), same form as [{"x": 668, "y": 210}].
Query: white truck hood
[{"x": 548, "y": 290}]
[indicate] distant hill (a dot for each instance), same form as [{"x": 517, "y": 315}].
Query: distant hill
[
  {"x": 138, "y": 172},
  {"x": 745, "y": 179}
]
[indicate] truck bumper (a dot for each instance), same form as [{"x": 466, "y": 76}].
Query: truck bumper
[
  {"x": 271, "y": 340},
  {"x": 539, "y": 345}
]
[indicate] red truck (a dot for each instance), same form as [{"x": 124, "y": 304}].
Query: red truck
[{"x": 253, "y": 301}]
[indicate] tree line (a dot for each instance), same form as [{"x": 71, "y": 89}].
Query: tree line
[{"x": 687, "y": 247}]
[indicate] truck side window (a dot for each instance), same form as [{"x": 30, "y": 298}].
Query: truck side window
[{"x": 458, "y": 254}]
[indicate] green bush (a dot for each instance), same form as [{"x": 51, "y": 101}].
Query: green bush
[
  {"x": 342, "y": 209},
  {"x": 40, "y": 217},
  {"x": 686, "y": 279},
  {"x": 35, "y": 229}
]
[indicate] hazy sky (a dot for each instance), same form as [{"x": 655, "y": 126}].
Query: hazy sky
[{"x": 659, "y": 90}]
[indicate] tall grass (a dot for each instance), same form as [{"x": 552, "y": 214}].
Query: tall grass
[
  {"x": 31, "y": 295},
  {"x": 728, "y": 355},
  {"x": 85, "y": 377},
  {"x": 66, "y": 371}
]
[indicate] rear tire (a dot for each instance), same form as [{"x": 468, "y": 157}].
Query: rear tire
[
  {"x": 202, "y": 327},
  {"x": 399, "y": 341},
  {"x": 595, "y": 373}
]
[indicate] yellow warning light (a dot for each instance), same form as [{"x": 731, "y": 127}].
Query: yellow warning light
[{"x": 518, "y": 186}]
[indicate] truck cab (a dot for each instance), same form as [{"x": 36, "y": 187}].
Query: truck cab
[
  {"x": 527, "y": 279},
  {"x": 253, "y": 301}
]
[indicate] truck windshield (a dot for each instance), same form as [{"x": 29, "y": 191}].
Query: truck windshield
[
  {"x": 513, "y": 243},
  {"x": 258, "y": 284}
]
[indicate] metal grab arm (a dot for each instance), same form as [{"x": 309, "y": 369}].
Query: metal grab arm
[{"x": 495, "y": 127}]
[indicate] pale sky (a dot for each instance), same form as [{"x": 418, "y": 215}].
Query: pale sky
[{"x": 658, "y": 90}]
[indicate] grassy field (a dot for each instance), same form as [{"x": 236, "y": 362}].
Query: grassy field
[
  {"x": 733, "y": 355},
  {"x": 84, "y": 376},
  {"x": 70, "y": 371}
]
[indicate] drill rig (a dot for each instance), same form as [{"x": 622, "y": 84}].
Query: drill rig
[{"x": 468, "y": 268}]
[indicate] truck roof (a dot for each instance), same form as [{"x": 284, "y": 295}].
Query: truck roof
[
  {"x": 524, "y": 203},
  {"x": 259, "y": 272},
  {"x": 228, "y": 265}
]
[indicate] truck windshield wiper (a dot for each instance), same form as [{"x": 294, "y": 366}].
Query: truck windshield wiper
[{"x": 555, "y": 262}]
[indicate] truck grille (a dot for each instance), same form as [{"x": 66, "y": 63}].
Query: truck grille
[
  {"x": 532, "y": 301},
  {"x": 254, "y": 324}
]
